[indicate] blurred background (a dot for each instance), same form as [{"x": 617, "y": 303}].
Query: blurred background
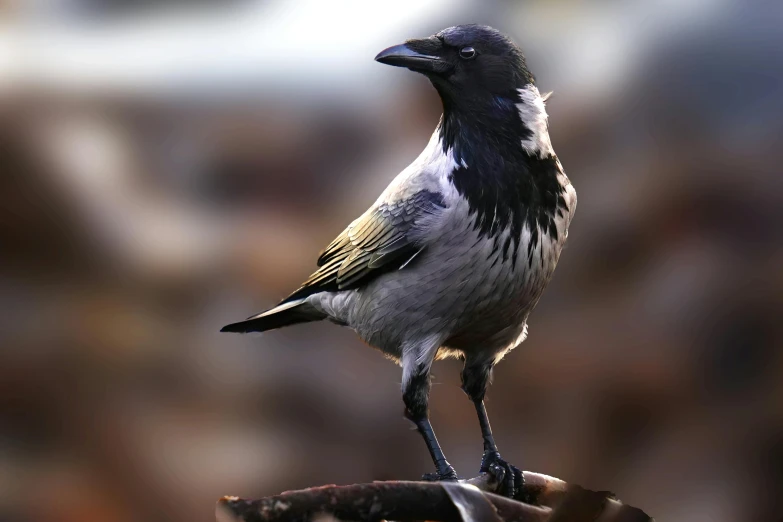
[{"x": 169, "y": 167}]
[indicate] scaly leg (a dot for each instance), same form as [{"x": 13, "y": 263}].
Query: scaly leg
[
  {"x": 475, "y": 379},
  {"x": 415, "y": 394}
]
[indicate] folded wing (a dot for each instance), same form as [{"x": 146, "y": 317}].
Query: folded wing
[{"x": 379, "y": 241}]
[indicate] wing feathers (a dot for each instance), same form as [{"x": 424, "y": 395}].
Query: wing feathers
[{"x": 378, "y": 241}]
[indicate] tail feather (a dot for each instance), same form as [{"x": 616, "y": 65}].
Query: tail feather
[{"x": 286, "y": 314}]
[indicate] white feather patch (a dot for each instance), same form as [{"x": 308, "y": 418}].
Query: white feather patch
[
  {"x": 430, "y": 171},
  {"x": 533, "y": 113}
]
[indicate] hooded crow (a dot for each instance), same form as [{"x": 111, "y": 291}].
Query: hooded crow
[{"x": 454, "y": 255}]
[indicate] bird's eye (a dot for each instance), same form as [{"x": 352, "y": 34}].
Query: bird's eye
[{"x": 467, "y": 53}]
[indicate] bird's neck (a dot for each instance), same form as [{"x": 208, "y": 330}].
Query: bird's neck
[
  {"x": 505, "y": 166},
  {"x": 515, "y": 124}
]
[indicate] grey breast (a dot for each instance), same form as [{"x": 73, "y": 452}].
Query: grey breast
[{"x": 458, "y": 289}]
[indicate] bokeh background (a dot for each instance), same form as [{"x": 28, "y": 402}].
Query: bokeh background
[{"x": 169, "y": 167}]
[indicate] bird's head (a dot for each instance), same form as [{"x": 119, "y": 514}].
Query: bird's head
[{"x": 468, "y": 64}]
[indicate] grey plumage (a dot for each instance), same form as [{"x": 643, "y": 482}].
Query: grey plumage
[
  {"x": 456, "y": 252},
  {"x": 456, "y": 298}
]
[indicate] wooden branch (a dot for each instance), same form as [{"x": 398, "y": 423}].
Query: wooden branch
[{"x": 547, "y": 499}]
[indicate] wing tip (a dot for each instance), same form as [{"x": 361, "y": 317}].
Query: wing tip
[
  {"x": 246, "y": 327},
  {"x": 234, "y": 328}
]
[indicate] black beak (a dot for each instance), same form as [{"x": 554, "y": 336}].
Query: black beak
[{"x": 416, "y": 55}]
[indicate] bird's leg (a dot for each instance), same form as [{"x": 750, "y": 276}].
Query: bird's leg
[
  {"x": 415, "y": 394},
  {"x": 475, "y": 379},
  {"x": 490, "y": 448}
]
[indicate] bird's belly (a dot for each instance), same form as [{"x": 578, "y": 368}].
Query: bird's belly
[{"x": 462, "y": 290}]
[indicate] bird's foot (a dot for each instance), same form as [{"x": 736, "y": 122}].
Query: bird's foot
[
  {"x": 509, "y": 478},
  {"x": 447, "y": 474}
]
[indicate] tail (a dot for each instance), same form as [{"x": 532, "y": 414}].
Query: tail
[{"x": 285, "y": 314}]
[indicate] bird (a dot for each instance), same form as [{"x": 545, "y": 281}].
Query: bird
[{"x": 454, "y": 255}]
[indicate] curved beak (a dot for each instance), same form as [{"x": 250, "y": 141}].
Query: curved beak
[{"x": 405, "y": 55}]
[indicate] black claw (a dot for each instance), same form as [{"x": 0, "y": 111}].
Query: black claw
[
  {"x": 497, "y": 471},
  {"x": 449, "y": 476},
  {"x": 508, "y": 476},
  {"x": 519, "y": 481},
  {"x": 507, "y": 486}
]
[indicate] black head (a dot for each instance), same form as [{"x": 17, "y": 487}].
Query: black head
[
  {"x": 466, "y": 63},
  {"x": 479, "y": 74}
]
